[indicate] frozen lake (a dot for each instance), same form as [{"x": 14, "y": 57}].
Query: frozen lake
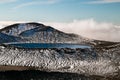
[{"x": 48, "y": 45}]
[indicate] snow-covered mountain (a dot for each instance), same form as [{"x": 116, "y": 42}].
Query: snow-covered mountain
[
  {"x": 39, "y": 33},
  {"x": 16, "y": 29}
]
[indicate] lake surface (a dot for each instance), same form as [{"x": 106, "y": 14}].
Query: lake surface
[{"x": 48, "y": 45}]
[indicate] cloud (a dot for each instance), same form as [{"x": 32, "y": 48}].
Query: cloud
[
  {"x": 7, "y": 1},
  {"x": 36, "y": 3},
  {"x": 88, "y": 28},
  {"x": 102, "y": 1}
]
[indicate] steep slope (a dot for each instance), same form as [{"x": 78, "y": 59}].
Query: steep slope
[
  {"x": 50, "y": 35},
  {"x": 4, "y": 38}
]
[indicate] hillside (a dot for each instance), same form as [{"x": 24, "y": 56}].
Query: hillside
[
  {"x": 39, "y": 33},
  {"x": 4, "y": 38}
]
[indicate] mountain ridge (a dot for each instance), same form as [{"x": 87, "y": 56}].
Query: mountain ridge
[
  {"x": 40, "y": 33},
  {"x": 33, "y": 32}
]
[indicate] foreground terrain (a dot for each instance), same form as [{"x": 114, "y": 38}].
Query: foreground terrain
[{"x": 38, "y": 75}]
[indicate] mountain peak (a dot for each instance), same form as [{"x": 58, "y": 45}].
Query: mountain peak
[
  {"x": 17, "y": 28},
  {"x": 40, "y": 33}
]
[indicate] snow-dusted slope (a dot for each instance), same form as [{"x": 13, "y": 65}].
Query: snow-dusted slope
[
  {"x": 4, "y": 38},
  {"x": 39, "y": 33},
  {"x": 16, "y": 29},
  {"x": 82, "y": 61},
  {"x": 90, "y": 61},
  {"x": 50, "y": 35}
]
